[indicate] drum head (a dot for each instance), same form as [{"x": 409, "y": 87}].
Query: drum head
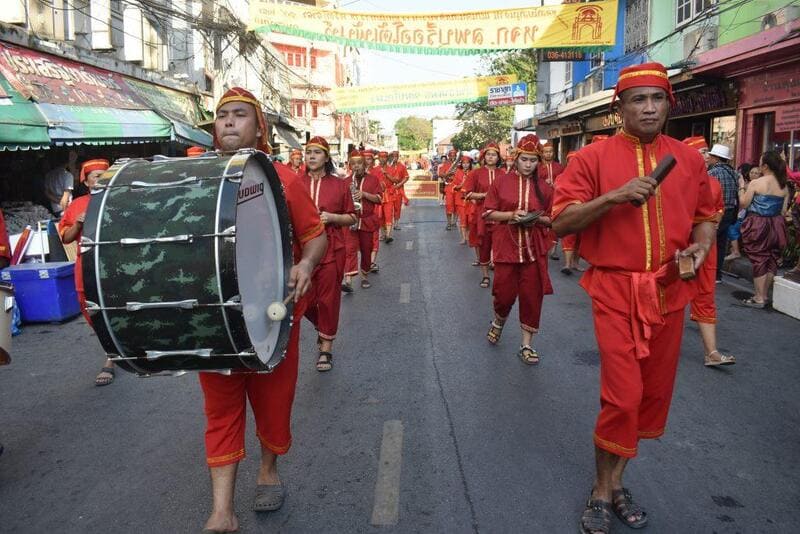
[{"x": 263, "y": 257}]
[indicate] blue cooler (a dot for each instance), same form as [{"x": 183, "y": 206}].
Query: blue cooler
[{"x": 45, "y": 292}]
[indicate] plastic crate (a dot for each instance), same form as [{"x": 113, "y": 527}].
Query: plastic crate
[{"x": 45, "y": 292}]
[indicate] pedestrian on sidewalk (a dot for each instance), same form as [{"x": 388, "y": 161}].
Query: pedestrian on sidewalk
[
  {"x": 632, "y": 231},
  {"x": 520, "y": 242},
  {"x": 766, "y": 200},
  {"x": 749, "y": 172}
]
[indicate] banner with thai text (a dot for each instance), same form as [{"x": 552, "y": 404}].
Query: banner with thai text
[
  {"x": 366, "y": 97},
  {"x": 584, "y": 26}
]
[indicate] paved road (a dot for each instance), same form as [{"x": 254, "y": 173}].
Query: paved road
[{"x": 418, "y": 411}]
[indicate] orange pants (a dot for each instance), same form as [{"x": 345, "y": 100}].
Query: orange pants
[
  {"x": 703, "y": 308},
  {"x": 523, "y": 280},
  {"x": 271, "y": 397},
  {"x": 449, "y": 202},
  {"x": 461, "y": 213},
  {"x": 388, "y": 213},
  {"x": 571, "y": 243},
  {"x": 635, "y": 394}
]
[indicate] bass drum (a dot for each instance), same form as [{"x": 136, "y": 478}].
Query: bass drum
[{"x": 181, "y": 259}]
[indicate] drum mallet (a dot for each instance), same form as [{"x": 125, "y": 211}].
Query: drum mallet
[{"x": 277, "y": 310}]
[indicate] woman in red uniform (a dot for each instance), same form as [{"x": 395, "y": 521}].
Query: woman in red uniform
[
  {"x": 334, "y": 201},
  {"x": 368, "y": 193},
  {"x": 296, "y": 162},
  {"x": 475, "y": 189},
  {"x": 70, "y": 229},
  {"x": 520, "y": 250},
  {"x": 464, "y": 168}
]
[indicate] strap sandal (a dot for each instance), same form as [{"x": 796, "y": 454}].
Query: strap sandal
[
  {"x": 596, "y": 517},
  {"x": 485, "y": 281},
  {"x": 104, "y": 380},
  {"x": 373, "y": 268},
  {"x": 566, "y": 270},
  {"x": 347, "y": 288},
  {"x": 495, "y": 330},
  {"x": 719, "y": 359},
  {"x": 751, "y": 303},
  {"x": 475, "y": 263},
  {"x": 628, "y": 511},
  {"x": 365, "y": 284},
  {"x": 325, "y": 361},
  {"x": 528, "y": 355},
  {"x": 269, "y": 497}
]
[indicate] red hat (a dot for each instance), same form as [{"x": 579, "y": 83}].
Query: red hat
[
  {"x": 644, "y": 75},
  {"x": 571, "y": 154},
  {"x": 319, "y": 142},
  {"x": 383, "y": 154},
  {"x": 528, "y": 145},
  {"x": 395, "y": 152},
  {"x": 238, "y": 94},
  {"x": 548, "y": 144},
  {"x": 599, "y": 137},
  {"x": 465, "y": 157},
  {"x": 368, "y": 152},
  {"x": 697, "y": 142},
  {"x": 491, "y": 145},
  {"x": 510, "y": 153},
  {"x": 356, "y": 155},
  {"x": 452, "y": 152},
  {"x": 194, "y": 151},
  {"x": 296, "y": 152},
  {"x": 93, "y": 165}
]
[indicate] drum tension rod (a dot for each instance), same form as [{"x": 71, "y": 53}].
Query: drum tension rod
[{"x": 133, "y": 241}]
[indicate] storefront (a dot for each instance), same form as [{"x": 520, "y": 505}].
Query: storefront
[
  {"x": 705, "y": 110},
  {"x": 607, "y": 122}
]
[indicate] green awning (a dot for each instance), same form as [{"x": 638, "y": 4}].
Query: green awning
[
  {"x": 75, "y": 125},
  {"x": 22, "y": 127}
]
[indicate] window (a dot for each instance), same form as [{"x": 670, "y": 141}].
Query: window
[
  {"x": 298, "y": 109},
  {"x": 595, "y": 60},
  {"x": 313, "y": 61},
  {"x": 636, "y": 28},
  {"x": 691, "y": 9},
  {"x": 290, "y": 60},
  {"x": 568, "y": 73},
  {"x": 314, "y": 109},
  {"x": 298, "y": 60}
]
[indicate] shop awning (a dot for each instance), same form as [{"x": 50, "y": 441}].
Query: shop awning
[
  {"x": 22, "y": 127},
  {"x": 287, "y": 136},
  {"x": 75, "y": 125}
]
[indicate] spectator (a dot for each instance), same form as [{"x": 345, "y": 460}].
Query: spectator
[
  {"x": 764, "y": 228},
  {"x": 718, "y": 159},
  {"x": 749, "y": 172}
]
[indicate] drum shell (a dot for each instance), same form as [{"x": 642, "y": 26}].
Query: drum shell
[{"x": 6, "y": 316}]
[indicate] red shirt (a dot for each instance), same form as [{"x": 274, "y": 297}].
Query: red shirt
[
  {"x": 331, "y": 194},
  {"x": 75, "y": 209},
  {"x": 549, "y": 171},
  {"x": 458, "y": 181},
  {"x": 5, "y": 246},
  {"x": 479, "y": 181},
  {"x": 514, "y": 243},
  {"x": 368, "y": 220},
  {"x": 303, "y": 214}
]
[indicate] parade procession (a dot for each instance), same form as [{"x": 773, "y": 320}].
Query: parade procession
[{"x": 473, "y": 268}]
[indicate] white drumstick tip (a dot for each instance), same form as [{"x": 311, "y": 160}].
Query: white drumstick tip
[{"x": 276, "y": 311}]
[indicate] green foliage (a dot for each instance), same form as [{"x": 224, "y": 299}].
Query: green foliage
[
  {"x": 413, "y": 133},
  {"x": 374, "y": 127},
  {"x": 484, "y": 126}
]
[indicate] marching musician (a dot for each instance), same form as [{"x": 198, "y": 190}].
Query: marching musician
[
  {"x": 367, "y": 191},
  {"x": 334, "y": 201},
  {"x": 374, "y": 170},
  {"x": 508, "y": 161},
  {"x": 446, "y": 171},
  {"x": 390, "y": 181},
  {"x": 520, "y": 250},
  {"x": 475, "y": 189},
  {"x": 296, "y": 162},
  {"x": 401, "y": 173},
  {"x": 70, "y": 229},
  {"x": 460, "y": 177},
  {"x": 240, "y": 124}
]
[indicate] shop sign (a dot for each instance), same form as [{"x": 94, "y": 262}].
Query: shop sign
[
  {"x": 770, "y": 86},
  {"x": 572, "y": 128},
  {"x": 506, "y": 95},
  {"x": 566, "y": 54},
  {"x": 552, "y": 133},
  {"x": 787, "y": 118},
  {"x": 702, "y": 100},
  {"x": 606, "y": 121},
  {"x": 54, "y": 80}
]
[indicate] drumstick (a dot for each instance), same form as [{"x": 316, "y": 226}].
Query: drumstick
[
  {"x": 659, "y": 173},
  {"x": 277, "y": 310}
]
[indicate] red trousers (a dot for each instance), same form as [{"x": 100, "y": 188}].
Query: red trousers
[
  {"x": 325, "y": 297},
  {"x": 485, "y": 248},
  {"x": 461, "y": 213},
  {"x": 366, "y": 242},
  {"x": 523, "y": 281},
  {"x": 388, "y": 213},
  {"x": 398, "y": 204},
  {"x": 351, "y": 252},
  {"x": 635, "y": 394},
  {"x": 472, "y": 223},
  {"x": 449, "y": 202},
  {"x": 571, "y": 243},
  {"x": 271, "y": 396},
  {"x": 703, "y": 308}
]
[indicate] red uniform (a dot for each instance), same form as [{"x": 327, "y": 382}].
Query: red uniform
[
  {"x": 378, "y": 174},
  {"x": 480, "y": 230},
  {"x": 520, "y": 252},
  {"x": 5, "y": 246},
  {"x": 362, "y": 237},
  {"x": 388, "y": 179},
  {"x": 75, "y": 209},
  {"x": 271, "y": 395},
  {"x": 401, "y": 173},
  {"x": 458, "y": 197},
  {"x": 549, "y": 171},
  {"x": 703, "y": 308},
  {"x": 449, "y": 198},
  {"x": 332, "y": 195},
  {"x": 637, "y": 297}
]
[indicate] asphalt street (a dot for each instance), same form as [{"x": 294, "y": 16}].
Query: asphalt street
[{"x": 420, "y": 427}]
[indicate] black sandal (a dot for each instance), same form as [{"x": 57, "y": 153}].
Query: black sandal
[
  {"x": 596, "y": 517},
  {"x": 625, "y": 508},
  {"x": 484, "y": 281},
  {"x": 326, "y": 364},
  {"x": 104, "y": 381},
  {"x": 495, "y": 330},
  {"x": 528, "y": 355}
]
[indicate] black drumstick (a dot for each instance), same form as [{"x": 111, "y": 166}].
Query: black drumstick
[{"x": 660, "y": 172}]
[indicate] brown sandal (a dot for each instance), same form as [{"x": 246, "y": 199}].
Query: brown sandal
[
  {"x": 596, "y": 517},
  {"x": 495, "y": 330},
  {"x": 627, "y": 510},
  {"x": 485, "y": 281},
  {"x": 325, "y": 361},
  {"x": 528, "y": 355}
]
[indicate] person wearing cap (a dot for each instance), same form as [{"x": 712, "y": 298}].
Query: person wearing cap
[
  {"x": 445, "y": 172},
  {"x": 703, "y": 307},
  {"x": 70, "y": 229},
  {"x": 633, "y": 229},
  {"x": 333, "y": 199},
  {"x": 460, "y": 205},
  {"x": 401, "y": 173},
  {"x": 368, "y": 193},
  {"x": 390, "y": 181},
  {"x": 520, "y": 248},
  {"x": 476, "y": 188},
  {"x": 240, "y": 124},
  {"x": 375, "y": 170},
  {"x": 296, "y": 162},
  {"x": 718, "y": 159}
]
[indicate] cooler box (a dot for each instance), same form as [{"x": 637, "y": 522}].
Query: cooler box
[{"x": 45, "y": 292}]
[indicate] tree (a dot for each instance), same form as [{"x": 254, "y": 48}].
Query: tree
[{"x": 413, "y": 133}]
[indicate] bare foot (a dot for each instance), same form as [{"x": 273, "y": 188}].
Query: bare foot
[
  {"x": 268, "y": 472},
  {"x": 222, "y": 522}
]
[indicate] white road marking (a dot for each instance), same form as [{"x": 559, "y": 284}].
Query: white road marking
[
  {"x": 409, "y": 245},
  {"x": 405, "y": 293},
  {"x": 386, "y": 507}
]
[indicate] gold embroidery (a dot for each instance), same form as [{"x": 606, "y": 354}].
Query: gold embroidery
[
  {"x": 648, "y": 244},
  {"x": 651, "y": 433},
  {"x": 662, "y": 235},
  {"x": 657, "y": 73},
  {"x": 613, "y": 447}
]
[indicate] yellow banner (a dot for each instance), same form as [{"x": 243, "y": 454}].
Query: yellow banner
[
  {"x": 589, "y": 27},
  {"x": 362, "y": 98}
]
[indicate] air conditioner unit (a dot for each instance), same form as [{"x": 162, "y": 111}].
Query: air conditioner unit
[
  {"x": 780, "y": 16},
  {"x": 699, "y": 40}
]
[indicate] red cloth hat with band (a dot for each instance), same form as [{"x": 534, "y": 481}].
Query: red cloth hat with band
[
  {"x": 296, "y": 152},
  {"x": 319, "y": 142},
  {"x": 452, "y": 152},
  {"x": 466, "y": 158},
  {"x": 368, "y": 152},
  {"x": 528, "y": 145},
  {"x": 644, "y": 75},
  {"x": 697, "y": 142},
  {"x": 93, "y": 165},
  {"x": 489, "y": 146},
  {"x": 355, "y": 155},
  {"x": 238, "y": 94},
  {"x": 383, "y": 154},
  {"x": 194, "y": 151},
  {"x": 548, "y": 144},
  {"x": 598, "y": 138}
]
